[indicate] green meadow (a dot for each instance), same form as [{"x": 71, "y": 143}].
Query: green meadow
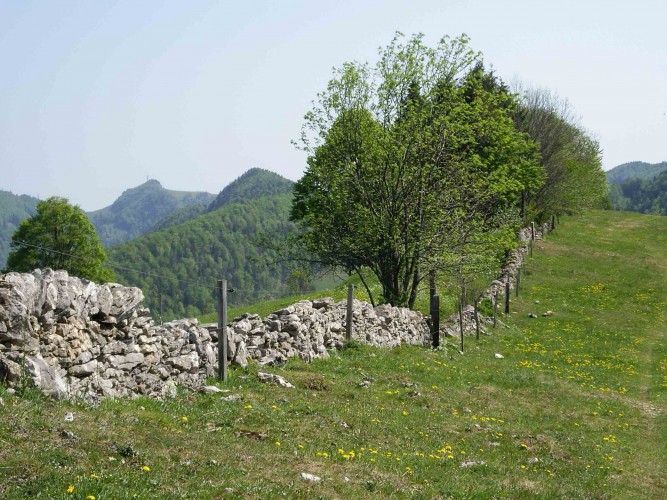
[{"x": 575, "y": 408}]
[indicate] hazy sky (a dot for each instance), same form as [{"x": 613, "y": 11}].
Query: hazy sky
[{"x": 98, "y": 96}]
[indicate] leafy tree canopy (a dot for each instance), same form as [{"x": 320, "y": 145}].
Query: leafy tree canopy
[
  {"x": 58, "y": 236},
  {"x": 571, "y": 160},
  {"x": 409, "y": 162}
]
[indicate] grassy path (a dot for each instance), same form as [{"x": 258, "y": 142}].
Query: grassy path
[
  {"x": 605, "y": 277},
  {"x": 576, "y": 408}
]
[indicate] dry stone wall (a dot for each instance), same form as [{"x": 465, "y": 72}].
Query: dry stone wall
[
  {"x": 450, "y": 327},
  {"x": 74, "y": 338}
]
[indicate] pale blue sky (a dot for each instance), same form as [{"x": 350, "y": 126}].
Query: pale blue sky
[{"x": 98, "y": 96}]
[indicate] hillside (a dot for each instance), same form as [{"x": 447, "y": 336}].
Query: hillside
[
  {"x": 648, "y": 196},
  {"x": 575, "y": 408},
  {"x": 179, "y": 263},
  {"x": 179, "y": 217},
  {"x": 177, "y": 267},
  {"x": 14, "y": 208},
  {"x": 139, "y": 209},
  {"x": 635, "y": 170},
  {"x": 254, "y": 183}
]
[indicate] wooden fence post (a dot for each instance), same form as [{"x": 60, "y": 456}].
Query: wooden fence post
[
  {"x": 476, "y": 320},
  {"x": 507, "y": 294},
  {"x": 461, "y": 321},
  {"x": 435, "y": 320},
  {"x": 222, "y": 330},
  {"x": 348, "y": 319}
]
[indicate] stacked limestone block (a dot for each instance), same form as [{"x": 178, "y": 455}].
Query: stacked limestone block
[{"x": 74, "y": 338}]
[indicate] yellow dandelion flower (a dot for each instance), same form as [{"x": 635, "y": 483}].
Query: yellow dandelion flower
[
  {"x": 277, "y": 443},
  {"x": 184, "y": 418},
  {"x": 145, "y": 468},
  {"x": 90, "y": 497},
  {"x": 70, "y": 489}
]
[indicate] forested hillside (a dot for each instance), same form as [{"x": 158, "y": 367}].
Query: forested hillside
[
  {"x": 177, "y": 267},
  {"x": 13, "y": 209},
  {"x": 252, "y": 184},
  {"x": 139, "y": 209},
  {"x": 648, "y": 196},
  {"x": 639, "y": 187},
  {"x": 635, "y": 170}
]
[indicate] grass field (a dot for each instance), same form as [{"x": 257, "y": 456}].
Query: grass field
[{"x": 576, "y": 408}]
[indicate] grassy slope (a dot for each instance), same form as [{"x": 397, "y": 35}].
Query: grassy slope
[{"x": 575, "y": 409}]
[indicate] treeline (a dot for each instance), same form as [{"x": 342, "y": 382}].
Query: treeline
[
  {"x": 570, "y": 158},
  {"x": 648, "y": 196},
  {"x": 425, "y": 164},
  {"x": 177, "y": 268}
]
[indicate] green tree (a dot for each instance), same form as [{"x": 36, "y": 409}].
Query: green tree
[
  {"x": 58, "y": 236},
  {"x": 409, "y": 162}
]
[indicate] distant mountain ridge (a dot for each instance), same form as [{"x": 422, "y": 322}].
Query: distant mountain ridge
[
  {"x": 635, "y": 170},
  {"x": 139, "y": 209},
  {"x": 14, "y": 208},
  {"x": 178, "y": 265}
]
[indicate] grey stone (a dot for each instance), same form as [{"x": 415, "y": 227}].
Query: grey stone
[
  {"x": 45, "y": 376},
  {"x": 10, "y": 371},
  {"x": 126, "y": 362},
  {"x": 210, "y": 389},
  {"x": 273, "y": 378},
  {"x": 169, "y": 390},
  {"x": 231, "y": 397},
  {"x": 185, "y": 363},
  {"x": 84, "y": 369}
]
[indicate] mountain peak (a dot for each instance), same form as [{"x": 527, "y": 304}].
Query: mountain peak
[
  {"x": 154, "y": 183},
  {"x": 254, "y": 183}
]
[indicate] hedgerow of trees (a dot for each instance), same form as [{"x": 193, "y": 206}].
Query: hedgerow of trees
[
  {"x": 571, "y": 160},
  {"x": 427, "y": 163}
]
